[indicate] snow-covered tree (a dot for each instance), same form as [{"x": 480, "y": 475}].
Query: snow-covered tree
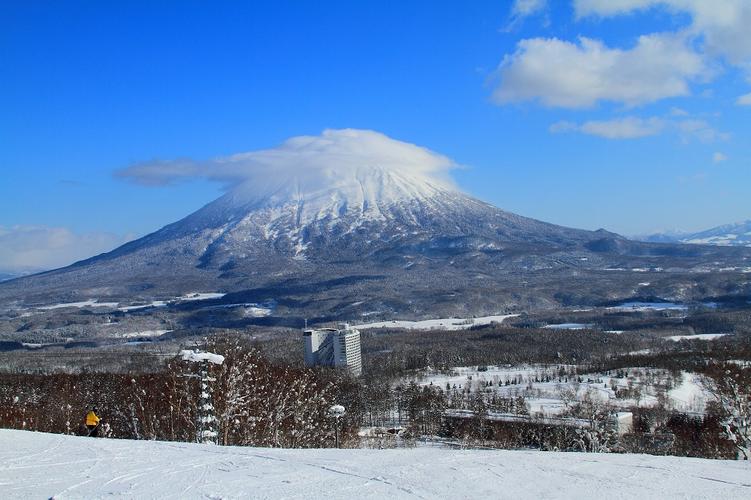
[
  {"x": 261, "y": 404},
  {"x": 598, "y": 435},
  {"x": 731, "y": 386}
]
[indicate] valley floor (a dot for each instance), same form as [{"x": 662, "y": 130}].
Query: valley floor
[{"x": 36, "y": 465}]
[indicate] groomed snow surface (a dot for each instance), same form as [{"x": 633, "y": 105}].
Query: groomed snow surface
[{"x": 36, "y": 465}]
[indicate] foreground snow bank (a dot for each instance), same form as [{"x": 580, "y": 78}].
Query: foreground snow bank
[{"x": 36, "y": 465}]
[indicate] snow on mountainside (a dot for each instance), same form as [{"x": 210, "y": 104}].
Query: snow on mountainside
[
  {"x": 738, "y": 234},
  {"x": 321, "y": 223},
  {"x": 37, "y": 465},
  {"x": 372, "y": 189}
]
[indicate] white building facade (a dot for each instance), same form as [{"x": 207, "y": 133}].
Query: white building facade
[{"x": 337, "y": 347}]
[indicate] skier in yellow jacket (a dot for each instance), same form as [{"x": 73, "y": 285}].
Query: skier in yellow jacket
[{"x": 92, "y": 422}]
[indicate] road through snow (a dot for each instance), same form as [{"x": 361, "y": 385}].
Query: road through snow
[{"x": 36, "y": 465}]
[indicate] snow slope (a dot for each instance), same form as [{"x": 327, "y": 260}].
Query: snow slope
[{"x": 36, "y": 465}]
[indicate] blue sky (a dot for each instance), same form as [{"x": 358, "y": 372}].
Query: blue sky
[{"x": 630, "y": 115}]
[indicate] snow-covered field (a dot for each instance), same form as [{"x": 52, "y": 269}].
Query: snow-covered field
[
  {"x": 188, "y": 297},
  {"x": 143, "y": 334},
  {"x": 569, "y": 326},
  {"x": 701, "y": 336},
  {"x": 545, "y": 398},
  {"x": 36, "y": 465},
  {"x": 439, "y": 324},
  {"x": 690, "y": 394},
  {"x": 250, "y": 309},
  {"x": 649, "y": 306},
  {"x": 155, "y": 303},
  {"x": 82, "y": 304}
]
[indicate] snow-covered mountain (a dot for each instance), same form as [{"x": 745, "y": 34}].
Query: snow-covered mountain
[
  {"x": 737, "y": 234},
  {"x": 354, "y": 224},
  {"x": 372, "y": 210}
]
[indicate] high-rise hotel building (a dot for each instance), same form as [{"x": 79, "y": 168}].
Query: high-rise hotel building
[{"x": 338, "y": 347}]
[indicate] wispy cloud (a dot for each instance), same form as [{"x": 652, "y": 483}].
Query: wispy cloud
[
  {"x": 697, "y": 129},
  {"x": 744, "y": 100},
  {"x": 26, "y": 249},
  {"x": 524, "y": 8},
  {"x": 632, "y": 127},
  {"x": 675, "y": 111},
  {"x": 622, "y": 128},
  {"x": 719, "y": 157},
  {"x": 332, "y": 153},
  {"x": 521, "y": 9}
]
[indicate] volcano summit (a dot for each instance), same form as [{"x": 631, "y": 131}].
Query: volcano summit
[{"x": 353, "y": 224}]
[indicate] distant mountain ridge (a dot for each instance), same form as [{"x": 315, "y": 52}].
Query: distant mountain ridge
[
  {"x": 7, "y": 276},
  {"x": 736, "y": 234}
]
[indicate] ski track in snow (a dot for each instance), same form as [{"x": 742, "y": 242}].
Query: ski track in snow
[{"x": 37, "y": 465}]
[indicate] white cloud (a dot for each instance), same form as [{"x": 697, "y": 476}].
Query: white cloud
[
  {"x": 563, "y": 126},
  {"x": 334, "y": 152},
  {"x": 723, "y": 24},
  {"x": 564, "y": 74},
  {"x": 623, "y": 128},
  {"x": 719, "y": 157},
  {"x": 605, "y": 8},
  {"x": 36, "y": 248},
  {"x": 523, "y": 8},
  {"x": 632, "y": 127},
  {"x": 700, "y": 130},
  {"x": 674, "y": 111},
  {"x": 744, "y": 100}
]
